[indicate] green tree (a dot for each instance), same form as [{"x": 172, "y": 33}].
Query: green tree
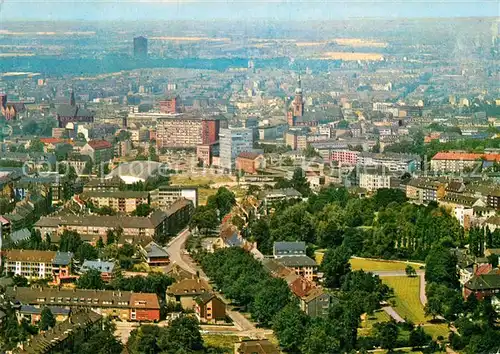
[
  {"x": 142, "y": 210},
  {"x": 272, "y": 295},
  {"x": 387, "y": 334},
  {"x": 223, "y": 200},
  {"x": 336, "y": 266},
  {"x": 299, "y": 182},
  {"x": 70, "y": 241},
  {"x": 290, "y": 325},
  {"x": 86, "y": 251},
  {"x": 441, "y": 267},
  {"x": 434, "y": 307},
  {"x": 183, "y": 334},
  {"x": 91, "y": 279},
  {"x": 418, "y": 338},
  {"x": 47, "y": 319},
  {"x": 319, "y": 339},
  {"x": 410, "y": 271},
  {"x": 36, "y": 145},
  {"x": 204, "y": 218}
]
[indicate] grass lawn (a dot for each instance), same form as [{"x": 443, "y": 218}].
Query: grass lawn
[
  {"x": 407, "y": 304},
  {"x": 220, "y": 341},
  {"x": 204, "y": 193},
  {"x": 368, "y": 322},
  {"x": 197, "y": 180},
  {"x": 380, "y": 265}
]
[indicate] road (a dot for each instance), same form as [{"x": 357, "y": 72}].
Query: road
[
  {"x": 176, "y": 250},
  {"x": 391, "y": 312}
]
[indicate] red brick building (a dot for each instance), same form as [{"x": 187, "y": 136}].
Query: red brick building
[
  {"x": 10, "y": 110},
  {"x": 144, "y": 307},
  {"x": 250, "y": 162},
  {"x": 209, "y": 308},
  {"x": 170, "y": 106}
]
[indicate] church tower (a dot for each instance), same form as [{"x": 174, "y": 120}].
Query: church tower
[
  {"x": 72, "y": 101},
  {"x": 298, "y": 102}
]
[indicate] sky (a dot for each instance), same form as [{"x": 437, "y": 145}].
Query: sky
[{"x": 138, "y": 10}]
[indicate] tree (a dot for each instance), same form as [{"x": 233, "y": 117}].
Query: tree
[
  {"x": 336, "y": 266},
  {"x": 70, "y": 241},
  {"x": 319, "y": 339},
  {"x": 223, "y": 201},
  {"x": 91, "y": 279},
  {"x": 387, "y": 334},
  {"x": 272, "y": 295},
  {"x": 434, "y": 307},
  {"x": 86, "y": 251},
  {"x": 183, "y": 334},
  {"x": 290, "y": 325},
  {"x": 493, "y": 260},
  {"x": 204, "y": 218},
  {"x": 441, "y": 267},
  {"x": 20, "y": 281},
  {"x": 36, "y": 145},
  {"x": 299, "y": 182},
  {"x": 142, "y": 210},
  {"x": 418, "y": 338},
  {"x": 100, "y": 243},
  {"x": 238, "y": 222},
  {"x": 47, "y": 319},
  {"x": 385, "y": 196},
  {"x": 410, "y": 271}
]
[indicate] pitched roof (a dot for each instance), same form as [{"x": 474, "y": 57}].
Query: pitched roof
[
  {"x": 261, "y": 346},
  {"x": 484, "y": 282},
  {"x": 189, "y": 287},
  {"x": 99, "y": 144},
  {"x": 464, "y": 156},
  {"x": 297, "y": 261},
  {"x": 283, "y": 247},
  {"x": 101, "y": 266},
  {"x": 202, "y": 299},
  {"x": 301, "y": 286},
  {"x": 249, "y": 155},
  {"x": 30, "y": 256}
]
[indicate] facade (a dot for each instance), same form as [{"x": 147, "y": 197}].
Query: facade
[
  {"x": 98, "y": 150},
  {"x": 371, "y": 180},
  {"x": 164, "y": 196},
  {"x": 256, "y": 346},
  {"x": 186, "y": 131},
  {"x": 344, "y": 156},
  {"x": 140, "y": 47},
  {"x": 234, "y": 141},
  {"x": 186, "y": 291},
  {"x": 154, "y": 255},
  {"x": 209, "y": 308},
  {"x": 296, "y": 140},
  {"x": 316, "y": 303},
  {"x": 454, "y": 162},
  {"x": 250, "y": 162},
  {"x": 390, "y": 162},
  {"x": 170, "y": 106},
  {"x": 93, "y": 227},
  {"x": 126, "y": 305},
  {"x": 71, "y": 113},
  {"x": 482, "y": 286},
  {"x": 34, "y": 264},
  {"x": 119, "y": 201},
  {"x": 301, "y": 265},
  {"x": 423, "y": 190}
]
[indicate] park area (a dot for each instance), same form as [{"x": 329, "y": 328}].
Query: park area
[{"x": 407, "y": 304}]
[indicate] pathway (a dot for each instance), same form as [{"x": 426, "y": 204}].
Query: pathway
[
  {"x": 402, "y": 273},
  {"x": 391, "y": 312}
]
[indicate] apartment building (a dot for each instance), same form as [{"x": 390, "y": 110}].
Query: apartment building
[
  {"x": 164, "y": 196},
  {"x": 296, "y": 140},
  {"x": 234, "y": 141},
  {"x": 425, "y": 190},
  {"x": 344, "y": 156},
  {"x": 373, "y": 179},
  {"x": 119, "y": 201},
  {"x": 391, "y": 162},
  {"x": 126, "y": 305},
  {"x": 186, "y": 131},
  {"x": 98, "y": 150},
  {"x": 455, "y": 162},
  {"x": 34, "y": 264}
]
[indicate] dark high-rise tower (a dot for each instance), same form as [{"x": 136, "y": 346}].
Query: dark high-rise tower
[{"x": 140, "y": 47}]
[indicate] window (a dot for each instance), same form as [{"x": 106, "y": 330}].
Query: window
[{"x": 40, "y": 299}]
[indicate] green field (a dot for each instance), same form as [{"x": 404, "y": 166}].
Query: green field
[
  {"x": 222, "y": 342},
  {"x": 380, "y": 265},
  {"x": 407, "y": 303}
]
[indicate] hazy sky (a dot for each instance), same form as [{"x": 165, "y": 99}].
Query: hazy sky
[{"x": 240, "y": 9}]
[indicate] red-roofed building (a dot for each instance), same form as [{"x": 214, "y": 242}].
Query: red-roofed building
[
  {"x": 98, "y": 150},
  {"x": 144, "y": 307},
  {"x": 457, "y": 161},
  {"x": 250, "y": 162}
]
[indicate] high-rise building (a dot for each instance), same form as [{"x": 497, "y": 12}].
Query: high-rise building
[
  {"x": 234, "y": 141},
  {"x": 140, "y": 47},
  {"x": 186, "y": 131}
]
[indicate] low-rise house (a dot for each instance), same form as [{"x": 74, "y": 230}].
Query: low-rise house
[
  {"x": 272, "y": 196},
  {"x": 482, "y": 286},
  {"x": 229, "y": 236},
  {"x": 185, "y": 291},
  {"x": 19, "y": 236},
  {"x": 316, "y": 303},
  {"x": 256, "y": 346},
  {"x": 209, "y": 308},
  {"x": 34, "y": 264},
  {"x": 154, "y": 255},
  {"x": 99, "y": 151},
  {"x": 107, "y": 269},
  {"x": 126, "y": 305},
  {"x": 250, "y": 162}
]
